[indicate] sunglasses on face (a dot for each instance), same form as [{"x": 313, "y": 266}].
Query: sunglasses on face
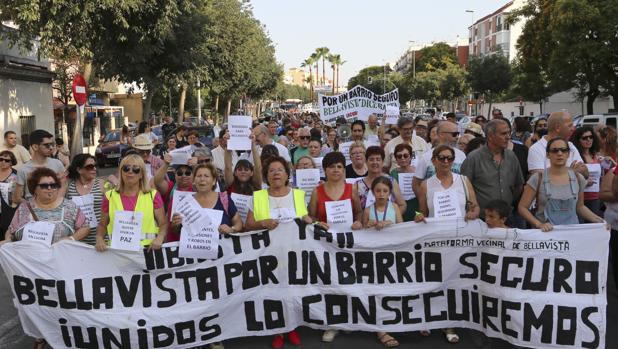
[
  {"x": 559, "y": 150},
  {"x": 304, "y": 137},
  {"x": 144, "y": 152},
  {"x": 49, "y": 186},
  {"x": 90, "y": 167},
  {"x": 6, "y": 160},
  {"x": 446, "y": 159},
  {"x": 402, "y": 156},
  {"x": 185, "y": 173},
  {"x": 541, "y": 126},
  {"x": 47, "y": 145},
  {"x": 134, "y": 169},
  {"x": 203, "y": 161},
  {"x": 454, "y": 134},
  {"x": 587, "y": 138}
]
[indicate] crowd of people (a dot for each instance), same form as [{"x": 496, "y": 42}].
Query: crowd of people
[{"x": 514, "y": 176}]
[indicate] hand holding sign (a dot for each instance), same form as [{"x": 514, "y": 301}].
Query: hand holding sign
[
  {"x": 240, "y": 130},
  {"x": 201, "y": 239}
]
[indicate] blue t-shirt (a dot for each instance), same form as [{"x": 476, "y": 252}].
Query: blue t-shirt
[{"x": 226, "y": 218}]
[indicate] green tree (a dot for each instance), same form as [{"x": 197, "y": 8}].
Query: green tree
[
  {"x": 490, "y": 75},
  {"x": 435, "y": 57},
  {"x": 371, "y": 78},
  {"x": 309, "y": 63},
  {"x": 335, "y": 61},
  {"x": 531, "y": 82}
]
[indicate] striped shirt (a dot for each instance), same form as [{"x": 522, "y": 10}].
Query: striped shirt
[{"x": 97, "y": 193}]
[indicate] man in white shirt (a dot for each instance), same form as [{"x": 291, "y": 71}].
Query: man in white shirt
[
  {"x": 559, "y": 124},
  {"x": 218, "y": 153},
  {"x": 405, "y": 126},
  {"x": 10, "y": 143},
  {"x": 262, "y": 138},
  {"x": 447, "y": 135}
]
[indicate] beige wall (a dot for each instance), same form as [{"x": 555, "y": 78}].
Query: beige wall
[
  {"x": 20, "y": 98},
  {"x": 132, "y": 103}
]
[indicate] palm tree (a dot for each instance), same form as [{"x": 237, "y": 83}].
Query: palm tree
[
  {"x": 309, "y": 63},
  {"x": 336, "y": 62},
  {"x": 322, "y": 52},
  {"x": 309, "y": 79}
]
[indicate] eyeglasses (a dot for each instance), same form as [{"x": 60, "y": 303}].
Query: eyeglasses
[
  {"x": 144, "y": 152},
  {"x": 402, "y": 156},
  {"x": 443, "y": 158},
  {"x": 357, "y": 153},
  {"x": 407, "y": 129},
  {"x": 587, "y": 138},
  {"x": 127, "y": 168},
  {"x": 90, "y": 167},
  {"x": 559, "y": 150},
  {"x": 304, "y": 137},
  {"x": 49, "y": 186},
  {"x": 276, "y": 170},
  {"x": 47, "y": 145},
  {"x": 185, "y": 173},
  {"x": 541, "y": 125},
  {"x": 421, "y": 127},
  {"x": 6, "y": 160},
  {"x": 454, "y": 134},
  {"x": 203, "y": 161}
]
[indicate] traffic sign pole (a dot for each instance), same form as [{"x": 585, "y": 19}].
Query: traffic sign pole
[{"x": 79, "y": 95}]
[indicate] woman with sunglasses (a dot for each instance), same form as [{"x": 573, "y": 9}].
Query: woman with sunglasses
[
  {"x": 8, "y": 177},
  {"x": 86, "y": 191},
  {"x": 205, "y": 180},
  {"x": 277, "y": 204},
  {"x": 459, "y": 192},
  {"x": 133, "y": 194},
  {"x": 588, "y": 145},
  {"x": 375, "y": 165},
  {"x": 358, "y": 167},
  {"x": 403, "y": 157},
  {"x": 558, "y": 191},
  {"x": 46, "y": 205},
  {"x": 183, "y": 181}
]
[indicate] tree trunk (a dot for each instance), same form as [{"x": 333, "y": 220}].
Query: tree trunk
[
  {"x": 591, "y": 95},
  {"x": 317, "y": 72},
  {"x": 181, "y": 103},
  {"x": 217, "y": 104},
  {"x": 228, "y": 108},
  {"x": 334, "y": 70},
  {"x": 614, "y": 94},
  {"x": 489, "y": 107},
  {"x": 337, "y": 83},
  {"x": 323, "y": 72},
  {"x": 87, "y": 71},
  {"x": 148, "y": 103},
  {"x": 541, "y": 106}
]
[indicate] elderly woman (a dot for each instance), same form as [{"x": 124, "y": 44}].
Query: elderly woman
[
  {"x": 375, "y": 163},
  {"x": 133, "y": 194},
  {"x": 8, "y": 176},
  {"x": 558, "y": 190},
  {"x": 47, "y": 206},
  {"x": 403, "y": 157},
  {"x": 205, "y": 181},
  {"x": 277, "y": 204},
  {"x": 183, "y": 181},
  {"x": 457, "y": 190},
  {"x": 358, "y": 167},
  {"x": 331, "y": 143},
  {"x": 86, "y": 191},
  {"x": 67, "y": 222}
]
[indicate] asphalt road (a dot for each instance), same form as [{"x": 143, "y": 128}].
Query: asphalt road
[{"x": 12, "y": 337}]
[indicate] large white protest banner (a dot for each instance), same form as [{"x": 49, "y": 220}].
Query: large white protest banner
[
  {"x": 356, "y": 103},
  {"x": 533, "y": 289}
]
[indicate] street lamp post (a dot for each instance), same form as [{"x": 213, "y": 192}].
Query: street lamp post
[{"x": 471, "y": 42}]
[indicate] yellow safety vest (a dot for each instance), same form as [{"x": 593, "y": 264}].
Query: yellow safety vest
[
  {"x": 145, "y": 204},
  {"x": 261, "y": 205}
]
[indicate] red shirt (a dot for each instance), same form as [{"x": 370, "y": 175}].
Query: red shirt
[{"x": 323, "y": 197}]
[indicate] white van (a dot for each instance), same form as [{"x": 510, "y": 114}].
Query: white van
[{"x": 605, "y": 119}]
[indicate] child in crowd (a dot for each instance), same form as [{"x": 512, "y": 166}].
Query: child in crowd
[
  {"x": 382, "y": 212},
  {"x": 496, "y": 213}
]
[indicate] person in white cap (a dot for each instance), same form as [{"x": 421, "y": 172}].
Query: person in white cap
[{"x": 143, "y": 146}]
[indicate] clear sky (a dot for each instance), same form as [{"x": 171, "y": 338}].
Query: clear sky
[{"x": 364, "y": 32}]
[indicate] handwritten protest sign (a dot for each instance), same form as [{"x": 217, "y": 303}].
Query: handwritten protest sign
[
  {"x": 127, "y": 231},
  {"x": 86, "y": 205},
  {"x": 240, "y": 130},
  {"x": 201, "y": 239},
  {"x": 39, "y": 231}
]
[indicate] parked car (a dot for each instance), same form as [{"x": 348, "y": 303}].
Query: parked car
[
  {"x": 108, "y": 150},
  {"x": 605, "y": 119}
]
